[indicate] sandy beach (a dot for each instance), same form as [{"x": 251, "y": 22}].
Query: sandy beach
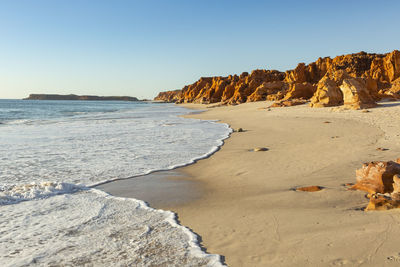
[
  {"x": 200, "y": 133},
  {"x": 244, "y": 206},
  {"x": 249, "y": 212}
]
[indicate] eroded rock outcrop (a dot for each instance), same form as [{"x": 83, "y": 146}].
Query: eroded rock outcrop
[
  {"x": 394, "y": 90},
  {"x": 327, "y": 94},
  {"x": 168, "y": 96},
  {"x": 377, "y": 71},
  {"x": 303, "y": 90},
  {"x": 356, "y": 94},
  {"x": 382, "y": 181},
  {"x": 266, "y": 89}
]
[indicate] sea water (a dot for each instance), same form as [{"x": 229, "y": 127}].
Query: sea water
[{"x": 52, "y": 152}]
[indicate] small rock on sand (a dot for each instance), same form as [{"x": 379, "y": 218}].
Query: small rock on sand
[
  {"x": 260, "y": 149},
  {"x": 239, "y": 130},
  {"x": 382, "y": 149},
  {"x": 312, "y": 188}
]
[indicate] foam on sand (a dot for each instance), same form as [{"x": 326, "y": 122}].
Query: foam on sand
[{"x": 92, "y": 227}]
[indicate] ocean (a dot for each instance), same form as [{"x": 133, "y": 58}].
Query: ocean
[{"x": 51, "y": 155}]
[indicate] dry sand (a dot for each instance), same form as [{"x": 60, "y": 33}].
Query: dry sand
[{"x": 248, "y": 211}]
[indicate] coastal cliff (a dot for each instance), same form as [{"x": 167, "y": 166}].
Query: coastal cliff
[
  {"x": 79, "y": 97},
  {"x": 359, "y": 78}
]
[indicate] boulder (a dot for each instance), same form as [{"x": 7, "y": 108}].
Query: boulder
[
  {"x": 382, "y": 182},
  {"x": 377, "y": 177},
  {"x": 355, "y": 94},
  {"x": 327, "y": 94}
]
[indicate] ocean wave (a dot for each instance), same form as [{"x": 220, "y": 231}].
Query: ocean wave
[
  {"x": 18, "y": 121},
  {"x": 12, "y": 194},
  {"x": 63, "y": 222},
  {"x": 180, "y": 165}
]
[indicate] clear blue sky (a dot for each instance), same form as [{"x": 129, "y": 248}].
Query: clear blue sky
[{"x": 139, "y": 48}]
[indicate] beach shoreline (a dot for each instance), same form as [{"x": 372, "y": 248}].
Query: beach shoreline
[
  {"x": 247, "y": 210},
  {"x": 254, "y": 221}
]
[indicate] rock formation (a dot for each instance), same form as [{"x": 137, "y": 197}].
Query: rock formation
[
  {"x": 382, "y": 181},
  {"x": 327, "y": 94},
  {"x": 168, "y": 96},
  {"x": 378, "y": 75},
  {"x": 377, "y": 177},
  {"x": 266, "y": 89},
  {"x": 394, "y": 90},
  {"x": 303, "y": 90},
  {"x": 355, "y": 94}
]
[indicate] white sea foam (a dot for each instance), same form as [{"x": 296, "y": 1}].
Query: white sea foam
[
  {"x": 90, "y": 227},
  {"x": 12, "y": 194},
  {"x": 91, "y": 150},
  {"x": 48, "y": 215}
]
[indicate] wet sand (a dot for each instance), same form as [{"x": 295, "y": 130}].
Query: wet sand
[{"x": 164, "y": 189}]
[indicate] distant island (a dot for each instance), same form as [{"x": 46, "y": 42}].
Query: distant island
[{"x": 79, "y": 97}]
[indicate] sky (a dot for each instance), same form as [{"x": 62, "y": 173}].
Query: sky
[{"x": 139, "y": 48}]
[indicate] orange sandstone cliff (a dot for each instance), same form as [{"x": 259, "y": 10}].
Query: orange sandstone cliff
[{"x": 355, "y": 80}]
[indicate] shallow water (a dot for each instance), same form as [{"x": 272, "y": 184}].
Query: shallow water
[{"x": 51, "y": 151}]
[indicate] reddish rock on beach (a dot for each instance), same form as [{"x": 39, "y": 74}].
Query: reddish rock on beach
[
  {"x": 382, "y": 181},
  {"x": 355, "y": 94},
  {"x": 327, "y": 94},
  {"x": 288, "y": 103},
  {"x": 313, "y": 188},
  {"x": 377, "y": 177}
]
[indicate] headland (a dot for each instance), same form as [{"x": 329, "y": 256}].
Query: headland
[{"x": 79, "y": 97}]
